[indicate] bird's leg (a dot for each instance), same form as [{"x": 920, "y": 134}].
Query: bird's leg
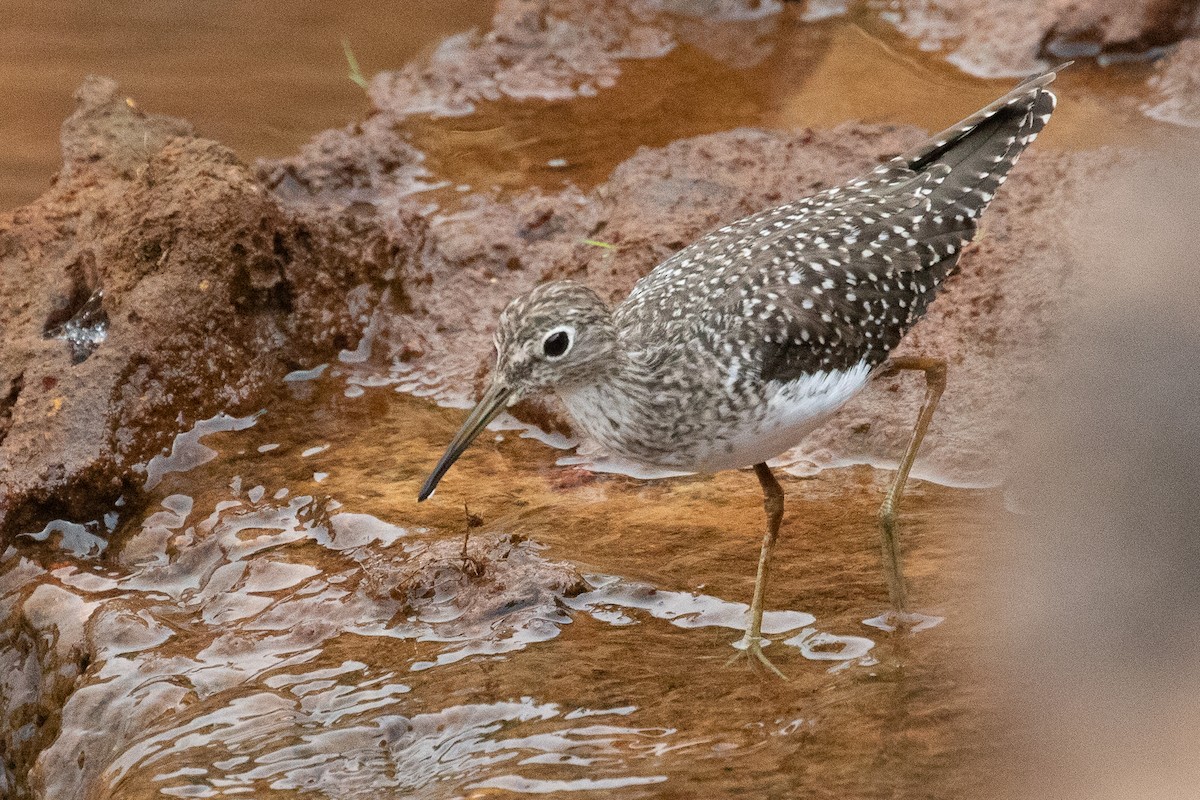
[
  {"x": 935, "y": 384},
  {"x": 751, "y": 643}
]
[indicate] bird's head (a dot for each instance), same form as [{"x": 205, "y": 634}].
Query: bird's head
[{"x": 558, "y": 336}]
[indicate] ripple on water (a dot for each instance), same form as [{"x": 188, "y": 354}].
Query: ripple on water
[
  {"x": 535, "y": 747},
  {"x": 71, "y": 537},
  {"x": 213, "y": 627},
  {"x": 610, "y": 599},
  {"x": 226, "y": 620}
]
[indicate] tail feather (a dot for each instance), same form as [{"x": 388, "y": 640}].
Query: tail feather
[
  {"x": 976, "y": 156},
  {"x": 1018, "y": 102}
]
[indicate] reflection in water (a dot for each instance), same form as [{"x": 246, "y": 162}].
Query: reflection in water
[
  {"x": 610, "y": 595},
  {"x": 73, "y": 537},
  {"x": 187, "y": 452}
]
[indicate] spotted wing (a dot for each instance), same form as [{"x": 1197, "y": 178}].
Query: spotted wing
[{"x": 836, "y": 279}]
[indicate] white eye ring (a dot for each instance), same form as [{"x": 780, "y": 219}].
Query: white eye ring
[{"x": 554, "y": 340}]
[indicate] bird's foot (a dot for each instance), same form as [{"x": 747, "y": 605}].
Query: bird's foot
[
  {"x": 752, "y": 649},
  {"x": 903, "y": 621}
]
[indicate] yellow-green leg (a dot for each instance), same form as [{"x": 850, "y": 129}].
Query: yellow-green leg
[
  {"x": 935, "y": 384},
  {"x": 751, "y": 644}
]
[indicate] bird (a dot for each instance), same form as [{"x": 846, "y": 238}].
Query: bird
[{"x": 734, "y": 349}]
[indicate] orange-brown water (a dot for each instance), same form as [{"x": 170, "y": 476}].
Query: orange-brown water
[
  {"x": 260, "y": 77},
  {"x": 272, "y": 589},
  {"x": 803, "y": 75},
  {"x": 264, "y": 77},
  {"x": 284, "y": 620}
]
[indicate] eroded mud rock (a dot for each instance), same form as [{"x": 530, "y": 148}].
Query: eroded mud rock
[
  {"x": 1177, "y": 84},
  {"x": 1023, "y": 36},
  {"x": 157, "y": 282},
  {"x": 544, "y": 50}
]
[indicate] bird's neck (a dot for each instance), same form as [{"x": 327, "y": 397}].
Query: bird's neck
[{"x": 616, "y": 403}]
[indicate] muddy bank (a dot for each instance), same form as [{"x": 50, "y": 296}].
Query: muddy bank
[
  {"x": 1024, "y": 36},
  {"x": 174, "y": 283},
  {"x": 155, "y": 284},
  {"x": 482, "y": 248},
  {"x": 1176, "y": 84},
  {"x": 993, "y": 323}
]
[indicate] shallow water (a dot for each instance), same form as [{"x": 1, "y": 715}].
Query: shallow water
[
  {"x": 260, "y": 77},
  {"x": 264, "y": 88},
  {"x": 793, "y": 74},
  {"x": 282, "y": 619}
]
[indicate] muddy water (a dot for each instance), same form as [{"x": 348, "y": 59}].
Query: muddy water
[
  {"x": 791, "y": 74},
  {"x": 301, "y": 625},
  {"x": 282, "y": 619},
  {"x": 260, "y": 77}
]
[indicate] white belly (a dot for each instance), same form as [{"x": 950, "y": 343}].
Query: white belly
[
  {"x": 789, "y": 413},
  {"x": 794, "y": 411}
]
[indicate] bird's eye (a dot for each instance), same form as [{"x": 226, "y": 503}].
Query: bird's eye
[{"x": 556, "y": 344}]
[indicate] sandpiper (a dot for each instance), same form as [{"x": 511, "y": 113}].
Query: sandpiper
[{"x": 734, "y": 349}]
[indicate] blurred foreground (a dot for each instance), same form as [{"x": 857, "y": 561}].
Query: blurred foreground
[{"x": 1098, "y": 582}]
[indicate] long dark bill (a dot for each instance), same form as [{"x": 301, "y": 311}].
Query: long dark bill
[{"x": 492, "y": 404}]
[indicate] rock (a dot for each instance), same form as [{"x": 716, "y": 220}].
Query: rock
[
  {"x": 170, "y": 285},
  {"x": 543, "y": 50},
  {"x": 1106, "y": 28},
  {"x": 536, "y": 49},
  {"x": 1030, "y": 34}
]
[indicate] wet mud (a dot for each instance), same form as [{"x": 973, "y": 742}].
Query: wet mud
[
  {"x": 220, "y": 396},
  {"x": 1030, "y": 35},
  {"x": 1176, "y": 86},
  {"x": 168, "y": 288}
]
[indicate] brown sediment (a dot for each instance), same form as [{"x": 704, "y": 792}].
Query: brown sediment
[
  {"x": 1027, "y": 34},
  {"x": 206, "y": 290}
]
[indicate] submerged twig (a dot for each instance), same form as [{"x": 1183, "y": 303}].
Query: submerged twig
[{"x": 473, "y": 521}]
